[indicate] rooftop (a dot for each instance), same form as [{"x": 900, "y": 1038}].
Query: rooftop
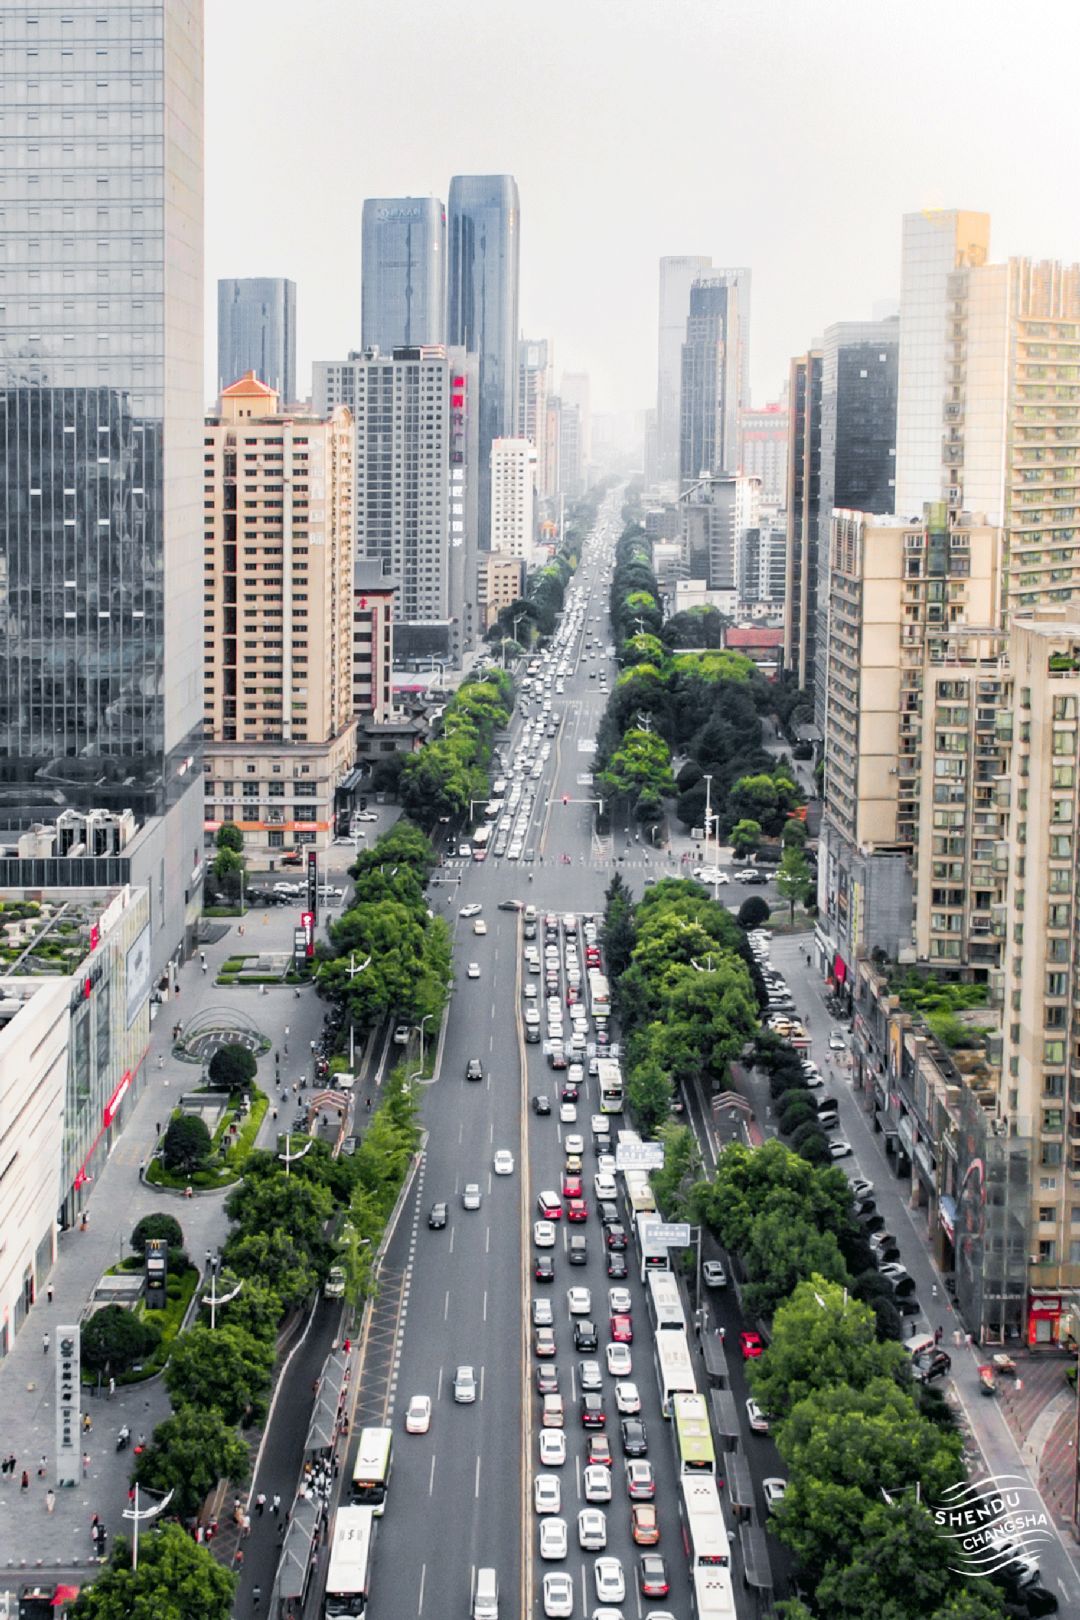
[{"x": 39, "y": 938}]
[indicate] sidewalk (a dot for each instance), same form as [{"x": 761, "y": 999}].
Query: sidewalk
[{"x": 29, "y": 1535}]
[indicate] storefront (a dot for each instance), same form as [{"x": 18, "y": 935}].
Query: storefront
[{"x": 1044, "y": 1318}]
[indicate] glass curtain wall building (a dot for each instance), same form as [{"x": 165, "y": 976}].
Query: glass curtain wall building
[
  {"x": 257, "y": 332},
  {"x": 403, "y": 273},
  {"x": 100, "y": 428}
]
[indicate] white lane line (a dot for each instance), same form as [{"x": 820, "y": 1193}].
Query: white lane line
[
  {"x": 431, "y": 1485},
  {"x": 451, "y": 1246},
  {"x": 423, "y": 1574},
  {"x": 485, "y": 1306},
  {"x": 487, "y": 1240},
  {"x": 481, "y": 1383},
  {"x": 446, "y": 1307},
  {"x": 476, "y": 1490},
  {"x": 438, "y": 1387}
]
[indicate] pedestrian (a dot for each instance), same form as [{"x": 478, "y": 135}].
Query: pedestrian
[
  {"x": 245, "y": 1526},
  {"x": 256, "y": 1596},
  {"x": 204, "y": 967},
  {"x": 49, "y": 1293},
  {"x": 367, "y": 1105},
  {"x": 50, "y": 1499},
  {"x": 45, "y": 1344},
  {"x": 161, "y": 1060},
  {"x": 112, "y": 1387},
  {"x": 937, "y": 1334},
  {"x": 238, "y": 1556},
  {"x": 260, "y": 1503},
  {"x": 275, "y": 1503},
  {"x": 86, "y": 1465},
  {"x": 43, "y": 1467},
  {"x": 24, "y": 1483},
  {"x": 87, "y": 1423},
  {"x": 273, "y": 1113},
  {"x": 4, "y": 1465}
]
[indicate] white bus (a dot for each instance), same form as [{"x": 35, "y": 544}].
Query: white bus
[
  {"x": 609, "y": 1080},
  {"x": 714, "y": 1595},
  {"x": 704, "y": 1525},
  {"x": 640, "y": 1199},
  {"x": 694, "y": 1445},
  {"x": 599, "y": 995},
  {"x": 653, "y": 1256},
  {"x": 664, "y": 1302},
  {"x": 371, "y": 1470},
  {"x": 674, "y": 1368},
  {"x": 348, "y": 1578}
]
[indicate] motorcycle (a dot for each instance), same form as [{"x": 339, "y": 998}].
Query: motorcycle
[
  {"x": 987, "y": 1381},
  {"x": 123, "y": 1439}
]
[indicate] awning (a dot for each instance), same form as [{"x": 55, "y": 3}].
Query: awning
[
  {"x": 716, "y": 1367},
  {"x": 725, "y": 1416},
  {"x": 322, "y": 1430},
  {"x": 755, "y": 1554},
  {"x": 738, "y": 1481},
  {"x": 351, "y": 782},
  {"x": 294, "y": 1569}
]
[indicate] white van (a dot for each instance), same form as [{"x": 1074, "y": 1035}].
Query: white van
[{"x": 486, "y": 1597}]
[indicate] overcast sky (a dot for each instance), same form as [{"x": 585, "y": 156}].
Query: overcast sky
[{"x": 787, "y": 135}]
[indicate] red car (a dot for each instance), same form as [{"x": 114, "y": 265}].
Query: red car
[
  {"x": 577, "y": 1210},
  {"x": 600, "y": 1449},
  {"x": 622, "y": 1330},
  {"x": 571, "y": 1186},
  {"x": 573, "y": 995},
  {"x": 752, "y": 1345},
  {"x": 592, "y": 956}
]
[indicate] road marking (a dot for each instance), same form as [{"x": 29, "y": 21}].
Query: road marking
[
  {"x": 481, "y": 1383},
  {"x": 484, "y": 1316},
  {"x": 487, "y": 1240},
  {"x": 446, "y": 1307},
  {"x": 423, "y": 1568},
  {"x": 476, "y": 1490},
  {"x": 438, "y": 1387},
  {"x": 430, "y": 1491}
]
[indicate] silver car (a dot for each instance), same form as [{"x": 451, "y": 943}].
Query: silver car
[{"x": 464, "y": 1386}]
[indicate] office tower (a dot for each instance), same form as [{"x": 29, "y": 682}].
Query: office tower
[
  {"x": 763, "y": 450},
  {"x": 500, "y": 583},
  {"x": 280, "y": 732},
  {"x": 803, "y": 517},
  {"x": 858, "y": 450},
  {"x": 935, "y": 243},
  {"x": 915, "y": 617},
  {"x": 373, "y": 644},
  {"x": 574, "y": 390},
  {"x": 534, "y": 386},
  {"x": 482, "y": 292},
  {"x": 571, "y": 472},
  {"x": 761, "y": 577},
  {"x": 403, "y": 273},
  {"x": 678, "y": 272},
  {"x": 513, "y": 511},
  {"x": 717, "y": 514},
  {"x": 257, "y": 332},
  {"x": 417, "y": 481},
  {"x": 711, "y": 379},
  {"x": 550, "y": 473},
  {"x": 100, "y": 422}
]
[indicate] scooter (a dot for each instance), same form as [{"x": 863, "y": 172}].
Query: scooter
[{"x": 123, "y": 1439}]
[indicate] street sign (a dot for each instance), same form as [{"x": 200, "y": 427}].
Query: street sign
[
  {"x": 675, "y": 1234},
  {"x": 639, "y": 1156}
]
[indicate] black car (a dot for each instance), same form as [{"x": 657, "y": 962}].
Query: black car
[
  {"x": 908, "y": 1307},
  {"x": 541, "y": 1105},
  {"x": 474, "y": 1069},
  {"x": 616, "y": 1267},
  {"x": 864, "y": 1206},
  {"x": 578, "y": 1251},
  {"x": 569, "y": 1092},
  {"x": 511, "y": 905},
  {"x": 547, "y": 1378},
  {"x": 753, "y": 877},
  {"x": 593, "y": 1415},
  {"x": 635, "y": 1442},
  {"x": 585, "y": 1337},
  {"x": 1037, "y": 1600},
  {"x": 437, "y": 1217},
  {"x": 544, "y": 1268},
  {"x": 616, "y": 1236},
  {"x": 932, "y": 1364}
]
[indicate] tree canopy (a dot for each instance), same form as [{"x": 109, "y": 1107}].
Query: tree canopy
[{"x": 175, "y": 1580}]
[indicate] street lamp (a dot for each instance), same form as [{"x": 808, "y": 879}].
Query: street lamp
[
  {"x": 353, "y": 972},
  {"x": 137, "y": 1515},
  {"x": 289, "y": 1157},
  {"x": 698, "y": 967},
  {"x": 213, "y": 1298}
]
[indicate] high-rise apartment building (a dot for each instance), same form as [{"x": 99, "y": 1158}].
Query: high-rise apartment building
[
  {"x": 550, "y": 469},
  {"x": 570, "y": 481},
  {"x": 513, "y": 508},
  {"x": 257, "y": 332},
  {"x": 678, "y": 272},
  {"x": 417, "y": 480},
  {"x": 762, "y": 575},
  {"x": 718, "y": 514},
  {"x": 858, "y": 451},
  {"x": 714, "y": 360},
  {"x": 803, "y": 517},
  {"x": 100, "y": 421},
  {"x": 574, "y": 390},
  {"x": 482, "y": 307},
  {"x": 935, "y": 243},
  {"x": 763, "y": 450},
  {"x": 534, "y": 386},
  {"x": 278, "y": 527},
  {"x": 403, "y": 273},
  {"x": 373, "y": 643}
]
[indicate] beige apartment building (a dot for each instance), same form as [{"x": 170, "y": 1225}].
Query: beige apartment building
[
  {"x": 278, "y": 632},
  {"x": 500, "y": 581}
]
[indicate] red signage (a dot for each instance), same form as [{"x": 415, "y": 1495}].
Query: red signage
[{"x": 117, "y": 1098}]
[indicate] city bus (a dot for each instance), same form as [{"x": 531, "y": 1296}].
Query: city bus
[
  {"x": 348, "y": 1578},
  {"x": 640, "y": 1199},
  {"x": 599, "y": 995},
  {"x": 664, "y": 1302},
  {"x": 653, "y": 1256},
  {"x": 609, "y": 1081},
  {"x": 674, "y": 1369},
  {"x": 704, "y": 1525},
  {"x": 371, "y": 1470},
  {"x": 714, "y": 1595},
  {"x": 693, "y": 1437}
]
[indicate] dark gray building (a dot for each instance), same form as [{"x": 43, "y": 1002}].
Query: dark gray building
[
  {"x": 803, "y": 517},
  {"x": 101, "y": 409},
  {"x": 257, "y": 332},
  {"x": 403, "y": 273},
  {"x": 712, "y": 379},
  {"x": 859, "y": 365},
  {"x": 482, "y": 305}
]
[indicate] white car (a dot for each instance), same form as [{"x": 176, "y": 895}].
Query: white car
[
  {"x": 619, "y": 1361},
  {"x": 365, "y": 815},
  {"x": 837, "y": 1042},
  {"x": 627, "y": 1399},
  {"x": 547, "y": 1493},
  {"x": 758, "y": 1421},
  {"x": 579, "y": 1301},
  {"x": 574, "y": 1144},
  {"x": 592, "y": 1529},
  {"x": 610, "y": 1580},
  {"x": 544, "y": 1234},
  {"x": 542, "y": 1313},
  {"x": 473, "y": 970},
  {"x": 479, "y": 925},
  {"x": 553, "y": 1538},
  {"x": 529, "y": 992},
  {"x": 558, "y": 1595},
  {"x": 568, "y": 1113},
  {"x": 840, "y": 1149},
  {"x": 775, "y": 1491},
  {"x": 619, "y": 1301},
  {"x": 597, "y": 1481},
  {"x": 473, "y": 909},
  {"x": 552, "y": 1448},
  {"x": 711, "y": 874},
  {"x": 504, "y": 1162},
  {"x": 860, "y": 1187},
  {"x": 714, "y": 1274},
  {"x": 418, "y": 1415}
]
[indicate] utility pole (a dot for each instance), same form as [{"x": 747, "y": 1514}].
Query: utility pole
[{"x": 134, "y": 1513}]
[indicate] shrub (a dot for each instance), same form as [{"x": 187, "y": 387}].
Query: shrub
[
  {"x": 157, "y": 1226},
  {"x": 114, "y": 1339},
  {"x": 753, "y": 912},
  {"x": 232, "y": 1067},
  {"x": 187, "y": 1143}
]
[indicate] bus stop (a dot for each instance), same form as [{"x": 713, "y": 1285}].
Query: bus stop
[
  {"x": 725, "y": 1417},
  {"x": 757, "y": 1572},
  {"x": 716, "y": 1366},
  {"x": 738, "y": 1483},
  {"x": 297, "y": 1561}
]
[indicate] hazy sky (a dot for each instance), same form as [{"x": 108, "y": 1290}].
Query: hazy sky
[{"x": 787, "y": 135}]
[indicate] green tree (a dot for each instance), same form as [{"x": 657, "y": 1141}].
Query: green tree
[
  {"x": 754, "y": 912},
  {"x": 228, "y": 1369},
  {"x": 643, "y": 649},
  {"x": 257, "y": 1307},
  {"x": 796, "y": 1108},
  {"x": 649, "y": 1092},
  {"x": 186, "y": 1145},
  {"x": 278, "y": 1261},
  {"x": 782, "y": 1251},
  {"x": 157, "y": 1226},
  {"x": 230, "y": 837},
  {"x": 794, "y": 879},
  {"x": 114, "y": 1339},
  {"x": 682, "y": 1163},
  {"x": 822, "y": 1338},
  {"x": 746, "y": 837},
  {"x": 794, "y": 834},
  {"x": 641, "y": 765},
  {"x": 188, "y": 1454},
  {"x": 227, "y": 869},
  {"x": 232, "y": 1067},
  {"x": 620, "y": 933},
  {"x": 175, "y": 1580}
]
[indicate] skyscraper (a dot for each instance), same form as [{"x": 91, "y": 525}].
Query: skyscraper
[
  {"x": 513, "y": 484},
  {"x": 935, "y": 243},
  {"x": 678, "y": 272},
  {"x": 763, "y": 441},
  {"x": 482, "y": 317},
  {"x": 403, "y": 273},
  {"x": 534, "y": 386},
  {"x": 804, "y": 515},
  {"x": 712, "y": 376},
  {"x": 575, "y": 390},
  {"x": 100, "y": 434},
  {"x": 257, "y": 332}
]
